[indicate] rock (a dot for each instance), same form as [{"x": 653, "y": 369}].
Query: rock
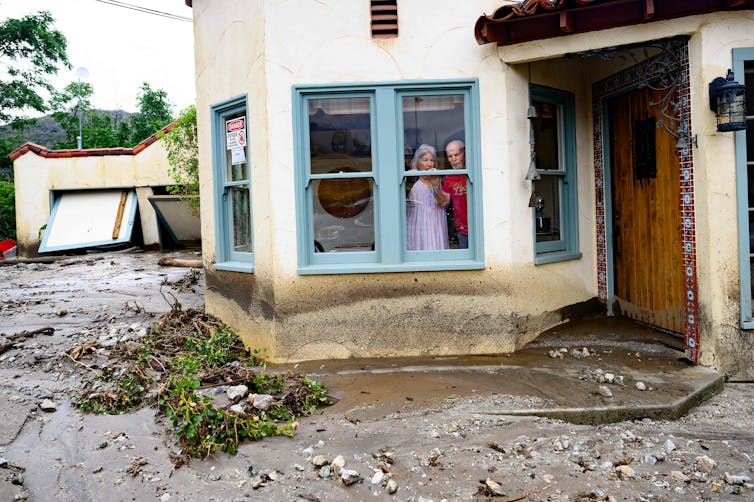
[
  {"x": 349, "y": 476},
  {"x": 650, "y": 459},
  {"x": 262, "y": 401},
  {"x": 493, "y": 488},
  {"x": 739, "y": 479},
  {"x": 324, "y": 472},
  {"x": 618, "y": 380},
  {"x": 669, "y": 446},
  {"x": 319, "y": 461},
  {"x": 391, "y": 487},
  {"x": 625, "y": 471},
  {"x": 298, "y": 467},
  {"x": 47, "y": 405},
  {"x": 704, "y": 464},
  {"x": 337, "y": 464},
  {"x": 308, "y": 451},
  {"x": 237, "y": 409},
  {"x": 62, "y": 313},
  {"x": 165, "y": 497},
  {"x": 609, "y": 377},
  {"x": 604, "y": 391},
  {"x": 641, "y": 386},
  {"x": 272, "y": 475},
  {"x": 556, "y": 354},
  {"x": 678, "y": 475},
  {"x": 17, "y": 479},
  {"x": 3, "y": 463},
  {"x": 236, "y": 392},
  {"x": 378, "y": 477}
]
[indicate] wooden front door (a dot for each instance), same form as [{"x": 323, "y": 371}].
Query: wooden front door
[{"x": 647, "y": 252}]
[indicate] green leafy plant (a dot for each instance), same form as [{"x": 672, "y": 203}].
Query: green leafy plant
[
  {"x": 181, "y": 143},
  {"x": 187, "y": 351},
  {"x": 7, "y": 210}
]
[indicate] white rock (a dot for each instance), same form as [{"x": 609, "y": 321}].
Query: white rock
[
  {"x": 641, "y": 386},
  {"x": 349, "y": 476},
  {"x": 237, "y": 392},
  {"x": 625, "y": 471},
  {"x": 47, "y": 405},
  {"x": 338, "y": 463},
  {"x": 650, "y": 459},
  {"x": 609, "y": 377},
  {"x": 165, "y": 497},
  {"x": 319, "y": 461},
  {"x": 378, "y": 477},
  {"x": 262, "y": 401},
  {"x": 704, "y": 464},
  {"x": 237, "y": 409},
  {"x": 391, "y": 487},
  {"x": 679, "y": 476},
  {"x": 604, "y": 391},
  {"x": 669, "y": 445},
  {"x": 494, "y": 488},
  {"x": 618, "y": 380},
  {"x": 736, "y": 480}
]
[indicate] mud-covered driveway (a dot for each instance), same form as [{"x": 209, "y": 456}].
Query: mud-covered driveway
[{"x": 408, "y": 446}]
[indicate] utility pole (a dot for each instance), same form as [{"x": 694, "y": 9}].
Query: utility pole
[{"x": 81, "y": 72}]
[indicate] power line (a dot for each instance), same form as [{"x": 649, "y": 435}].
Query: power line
[{"x": 145, "y": 10}]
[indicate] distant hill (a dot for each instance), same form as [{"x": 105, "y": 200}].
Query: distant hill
[{"x": 47, "y": 132}]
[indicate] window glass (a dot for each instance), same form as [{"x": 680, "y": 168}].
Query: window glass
[
  {"x": 432, "y": 120},
  {"x": 749, "y": 82},
  {"x": 547, "y": 208},
  {"x": 241, "y": 214},
  {"x": 343, "y": 215},
  {"x": 340, "y": 135},
  {"x": 433, "y": 127},
  {"x": 546, "y": 132}
]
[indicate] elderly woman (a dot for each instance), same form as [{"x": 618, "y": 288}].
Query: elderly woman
[{"x": 427, "y": 225}]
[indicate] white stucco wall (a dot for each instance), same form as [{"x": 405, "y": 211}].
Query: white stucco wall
[{"x": 36, "y": 177}]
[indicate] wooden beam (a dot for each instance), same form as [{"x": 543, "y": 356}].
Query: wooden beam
[
  {"x": 566, "y": 22},
  {"x": 119, "y": 216}
]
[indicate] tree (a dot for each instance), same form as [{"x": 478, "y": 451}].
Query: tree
[
  {"x": 7, "y": 210},
  {"x": 181, "y": 143},
  {"x": 30, "y": 51},
  {"x": 154, "y": 113},
  {"x": 97, "y": 128}
]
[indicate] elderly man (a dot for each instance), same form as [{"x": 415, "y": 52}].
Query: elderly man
[{"x": 455, "y": 185}]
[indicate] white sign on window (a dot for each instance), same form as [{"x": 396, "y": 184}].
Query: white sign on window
[{"x": 235, "y": 133}]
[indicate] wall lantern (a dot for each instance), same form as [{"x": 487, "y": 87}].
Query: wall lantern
[{"x": 727, "y": 98}]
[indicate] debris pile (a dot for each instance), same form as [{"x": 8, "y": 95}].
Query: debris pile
[{"x": 196, "y": 372}]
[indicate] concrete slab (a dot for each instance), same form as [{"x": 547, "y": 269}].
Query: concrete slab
[{"x": 558, "y": 377}]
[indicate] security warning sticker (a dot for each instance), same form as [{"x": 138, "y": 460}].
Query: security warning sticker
[{"x": 235, "y": 133}]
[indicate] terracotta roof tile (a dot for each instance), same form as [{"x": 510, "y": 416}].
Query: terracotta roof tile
[{"x": 87, "y": 152}]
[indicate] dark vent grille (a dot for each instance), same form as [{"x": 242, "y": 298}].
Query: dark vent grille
[{"x": 384, "y": 18}]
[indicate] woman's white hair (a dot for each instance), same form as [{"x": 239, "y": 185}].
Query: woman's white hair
[{"x": 419, "y": 153}]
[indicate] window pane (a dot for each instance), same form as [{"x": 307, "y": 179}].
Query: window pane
[
  {"x": 458, "y": 217},
  {"x": 547, "y": 208},
  {"x": 433, "y": 121},
  {"x": 426, "y": 216},
  {"x": 240, "y": 209},
  {"x": 546, "y": 135},
  {"x": 236, "y": 166},
  {"x": 340, "y": 138},
  {"x": 749, "y": 82},
  {"x": 343, "y": 215}
]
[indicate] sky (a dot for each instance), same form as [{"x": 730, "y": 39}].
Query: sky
[{"x": 121, "y": 47}]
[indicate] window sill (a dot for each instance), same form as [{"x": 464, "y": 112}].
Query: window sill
[
  {"x": 556, "y": 256},
  {"x": 747, "y": 325},
  {"x": 234, "y": 266},
  {"x": 377, "y": 268}
]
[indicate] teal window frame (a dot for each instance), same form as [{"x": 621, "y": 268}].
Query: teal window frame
[
  {"x": 388, "y": 174},
  {"x": 226, "y": 257},
  {"x": 567, "y": 247},
  {"x": 741, "y": 56}
]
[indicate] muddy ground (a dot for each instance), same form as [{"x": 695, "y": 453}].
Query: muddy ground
[{"x": 436, "y": 448}]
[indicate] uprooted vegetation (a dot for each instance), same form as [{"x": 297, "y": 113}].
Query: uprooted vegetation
[{"x": 183, "y": 366}]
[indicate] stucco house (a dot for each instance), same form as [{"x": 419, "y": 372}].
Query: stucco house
[
  {"x": 595, "y": 174},
  {"x": 69, "y": 200}
]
